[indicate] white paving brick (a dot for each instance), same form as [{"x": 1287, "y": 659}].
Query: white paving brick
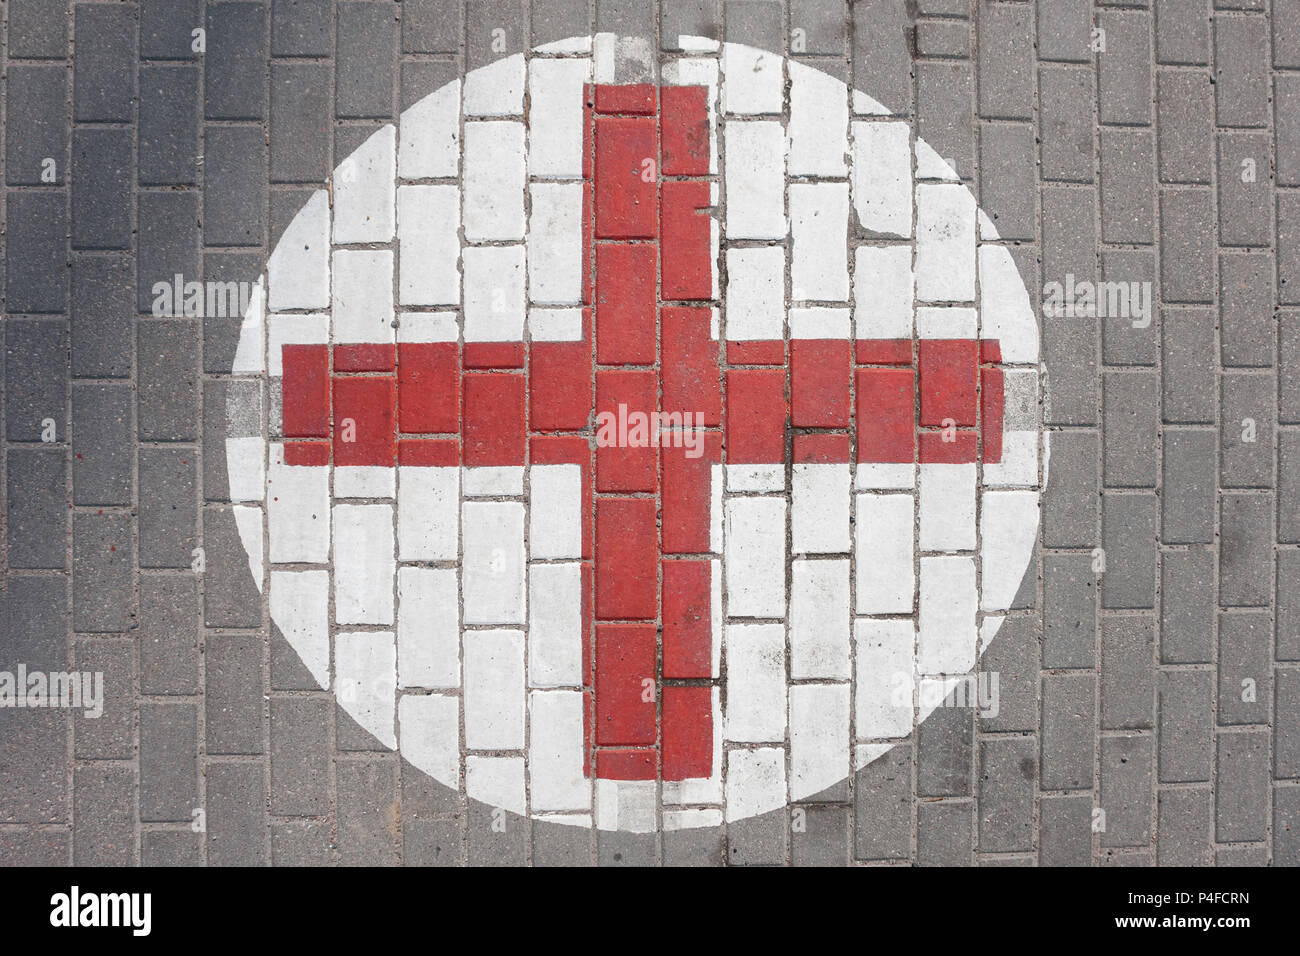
[
  {"x": 947, "y": 619},
  {"x": 819, "y": 738},
  {"x": 363, "y": 295},
  {"x": 555, "y": 325},
  {"x": 755, "y": 782},
  {"x": 365, "y": 681},
  {"x": 429, "y": 135},
  {"x": 1019, "y": 464},
  {"x": 1006, "y": 313},
  {"x": 364, "y": 481},
  {"x": 246, "y": 468},
  {"x": 428, "y": 221},
  {"x": 820, "y": 322},
  {"x": 428, "y": 628},
  {"x": 555, "y": 243},
  {"x": 885, "y": 664},
  {"x": 429, "y": 725},
  {"x": 626, "y": 805},
  {"x": 363, "y": 191},
  {"x": 882, "y": 292},
  {"x": 494, "y": 181},
  {"x": 555, "y": 90},
  {"x": 945, "y": 243},
  {"x": 555, "y": 511},
  {"x": 497, "y": 781},
  {"x": 753, "y": 80},
  {"x": 755, "y": 294},
  {"x": 482, "y": 482},
  {"x": 884, "y": 554},
  {"x": 882, "y": 177},
  {"x": 555, "y": 625},
  {"x": 493, "y": 562},
  {"x": 555, "y": 742},
  {"x": 297, "y": 512},
  {"x": 755, "y": 566},
  {"x": 755, "y": 179},
  {"x": 300, "y": 607},
  {"x": 496, "y": 89},
  {"x": 756, "y": 685},
  {"x": 819, "y": 620},
  {"x": 494, "y": 293},
  {"x": 298, "y": 270},
  {"x": 884, "y": 475},
  {"x": 427, "y": 327},
  {"x": 364, "y": 566},
  {"x": 428, "y": 513},
  {"x": 819, "y": 123},
  {"x": 819, "y": 222},
  {"x": 947, "y": 507},
  {"x": 1008, "y": 529},
  {"x": 946, "y": 322},
  {"x": 494, "y": 689},
  {"x": 282, "y": 330},
  {"x": 820, "y": 515}
]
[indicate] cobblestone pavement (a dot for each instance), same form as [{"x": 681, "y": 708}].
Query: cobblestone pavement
[{"x": 1147, "y": 666}]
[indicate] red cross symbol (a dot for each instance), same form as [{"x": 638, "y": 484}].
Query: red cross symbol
[{"x": 647, "y": 346}]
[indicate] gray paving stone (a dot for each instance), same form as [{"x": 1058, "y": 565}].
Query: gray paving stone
[
  {"x": 823, "y": 22},
  {"x": 422, "y": 77},
  {"x": 423, "y": 797},
  {"x": 303, "y": 27},
  {"x": 1245, "y": 196},
  {"x": 570, "y": 18},
  {"x": 1288, "y": 488},
  {"x": 100, "y": 321},
  {"x": 369, "y": 812},
  {"x": 104, "y": 64},
  {"x": 1065, "y": 830},
  {"x": 1286, "y": 126},
  {"x": 948, "y": 39},
  {"x": 1014, "y": 657},
  {"x": 33, "y": 749},
  {"x": 1288, "y": 248},
  {"x": 1247, "y": 439},
  {"x": 169, "y": 634},
  {"x": 1187, "y": 498},
  {"x": 300, "y": 137},
  {"x": 1286, "y": 721},
  {"x": 1182, "y": 32},
  {"x": 882, "y": 807},
  {"x": 230, "y": 596},
  {"x": 701, "y": 846},
  {"x": 1241, "y": 71},
  {"x": 1287, "y": 642},
  {"x": 159, "y": 848},
  {"x": 1288, "y": 373},
  {"x": 1006, "y": 62},
  {"x": 168, "y": 377},
  {"x": 1124, "y": 68},
  {"x": 1070, "y": 500},
  {"x": 101, "y": 188},
  {"x": 169, "y": 125},
  {"x": 234, "y": 82},
  {"x": 1128, "y": 536},
  {"x": 1286, "y": 33},
  {"x": 103, "y": 832},
  {"x": 38, "y": 29},
  {"x": 1064, "y": 31},
  {"x": 1127, "y": 673},
  {"x": 165, "y": 29},
  {"x": 1247, "y": 326},
  {"x": 366, "y": 37},
  {"x": 1186, "y": 124},
  {"x": 482, "y": 17},
  {"x": 36, "y": 103},
  {"x": 555, "y": 844},
  {"x": 1065, "y": 127},
  {"x": 300, "y": 755},
  {"x": 233, "y": 694},
  {"x": 36, "y": 358},
  {"x": 103, "y": 573},
  {"x": 36, "y": 263},
  {"x": 168, "y": 529},
  {"x": 823, "y": 839},
  {"x": 1186, "y": 245},
  {"x": 1128, "y": 336},
  {"x": 1184, "y": 827},
  {"x": 757, "y": 841},
  {"x": 495, "y": 839},
  {"x": 944, "y": 92},
  {"x": 34, "y": 848},
  {"x": 1126, "y": 791},
  {"x": 301, "y": 843},
  {"x": 169, "y": 746},
  {"x": 1130, "y": 420},
  {"x": 1069, "y": 715},
  {"x": 101, "y": 444},
  {"x": 1249, "y": 856},
  {"x": 36, "y": 608},
  {"x": 1186, "y": 746},
  {"x": 167, "y": 243},
  {"x": 1241, "y": 788},
  {"x": 1186, "y": 607},
  {"x": 111, "y": 735},
  {"x": 222, "y": 328},
  {"x": 1069, "y": 611},
  {"x": 1008, "y": 771},
  {"x": 943, "y": 752},
  {"x": 37, "y": 517},
  {"x": 879, "y": 53},
  {"x": 1127, "y": 205},
  {"x": 943, "y": 834},
  {"x": 1286, "y": 826},
  {"x": 236, "y": 813},
  {"x": 1006, "y": 164},
  {"x": 1245, "y": 551},
  {"x": 350, "y": 735},
  {"x": 1188, "y": 382},
  {"x": 432, "y": 843},
  {"x": 616, "y": 848}
]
